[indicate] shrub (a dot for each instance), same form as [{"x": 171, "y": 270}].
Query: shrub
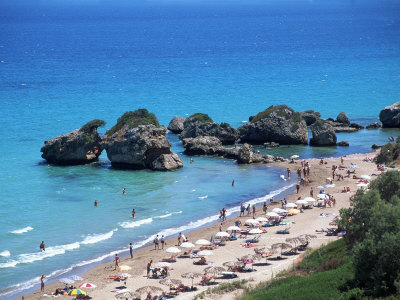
[
  {"x": 89, "y": 126},
  {"x": 280, "y": 110},
  {"x": 132, "y": 119},
  {"x": 203, "y": 118}
]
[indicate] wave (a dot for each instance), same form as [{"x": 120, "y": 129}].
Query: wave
[
  {"x": 168, "y": 215},
  {"x": 203, "y": 197},
  {"x": 22, "y": 230},
  {"x": 9, "y": 264},
  {"x": 95, "y": 238},
  {"x": 5, "y": 253},
  {"x": 50, "y": 252},
  {"x": 134, "y": 224}
]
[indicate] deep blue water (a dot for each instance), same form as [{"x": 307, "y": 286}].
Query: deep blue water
[{"x": 63, "y": 65}]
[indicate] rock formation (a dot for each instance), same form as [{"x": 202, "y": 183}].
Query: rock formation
[
  {"x": 278, "y": 124},
  {"x": 323, "y": 134},
  {"x": 374, "y": 125},
  {"x": 356, "y": 126},
  {"x": 195, "y": 126},
  {"x": 176, "y": 124},
  {"x": 138, "y": 142},
  {"x": 202, "y": 145},
  {"x": 310, "y": 116},
  {"x": 343, "y": 143},
  {"x": 80, "y": 146},
  {"x": 343, "y": 119},
  {"x": 390, "y": 115}
]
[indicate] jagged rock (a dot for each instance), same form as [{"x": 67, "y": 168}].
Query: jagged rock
[
  {"x": 202, "y": 145},
  {"x": 342, "y": 118},
  {"x": 343, "y": 144},
  {"x": 390, "y": 115},
  {"x": 176, "y": 124},
  {"x": 345, "y": 129},
  {"x": 323, "y": 134},
  {"x": 271, "y": 145},
  {"x": 194, "y": 128},
  {"x": 251, "y": 118},
  {"x": 375, "y": 146},
  {"x": 374, "y": 125},
  {"x": 142, "y": 147},
  {"x": 245, "y": 154},
  {"x": 310, "y": 116},
  {"x": 356, "y": 125},
  {"x": 231, "y": 153},
  {"x": 80, "y": 146},
  {"x": 278, "y": 124}
]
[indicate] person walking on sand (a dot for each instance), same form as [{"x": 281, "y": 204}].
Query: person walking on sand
[
  {"x": 254, "y": 210},
  {"x": 133, "y": 213},
  {"x": 248, "y": 209},
  {"x": 242, "y": 208},
  {"x": 42, "y": 246},
  {"x": 223, "y": 214},
  {"x": 162, "y": 241},
  {"x": 131, "y": 250},
  {"x": 42, "y": 283},
  {"x": 180, "y": 238},
  {"x": 297, "y": 187},
  {"x": 123, "y": 191},
  {"x": 220, "y": 227},
  {"x": 149, "y": 267},
  {"x": 156, "y": 243},
  {"x": 265, "y": 207},
  {"x": 116, "y": 261},
  {"x": 311, "y": 192}
]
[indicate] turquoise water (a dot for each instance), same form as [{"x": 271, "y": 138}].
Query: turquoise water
[{"x": 63, "y": 66}]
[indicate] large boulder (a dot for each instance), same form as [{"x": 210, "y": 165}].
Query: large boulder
[
  {"x": 202, "y": 145},
  {"x": 245, "y": 154},
  {"x": 373, "y": 125},
  {"x": 310, "y": 116},
  {"x": 80, "y": 146},
  {"x": 390, "y": 115},
  {"x": 176, "y": 125},
  {"x": 137, "y": 141},
  {"x": 195, "y": 127},
  {"x": 323, "y": 134},
  {"x": 279, "y": 124},
  {"x": 343, "y": 119}
]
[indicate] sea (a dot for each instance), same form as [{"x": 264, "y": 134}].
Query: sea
[{"x": 64, "y": 63}]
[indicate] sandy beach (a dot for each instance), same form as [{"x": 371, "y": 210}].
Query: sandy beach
[{"x": 303, "y": 223}]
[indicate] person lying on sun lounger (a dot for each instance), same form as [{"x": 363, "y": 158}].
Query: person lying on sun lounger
[{"x": 202, "y": 261}]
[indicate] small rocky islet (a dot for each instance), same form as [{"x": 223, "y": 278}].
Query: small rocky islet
[{"x": 138, "y": 141}]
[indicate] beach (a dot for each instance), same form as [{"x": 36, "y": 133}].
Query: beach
[{"x": 303, "y": 223}]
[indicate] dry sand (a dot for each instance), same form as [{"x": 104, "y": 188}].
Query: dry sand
[{"x": 304, "y": 223}]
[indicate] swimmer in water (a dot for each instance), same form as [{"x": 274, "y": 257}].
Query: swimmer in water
[
  {"x": 95, "y": 203},
  {"x": 42, "y": 246},
  {"x": 123, "y": 191},
  {"x": 133, "y": 213}
]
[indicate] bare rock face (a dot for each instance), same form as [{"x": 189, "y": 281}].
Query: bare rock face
[
  {"x": 374, "y": 125},
  {"x": 323, "y": 134},
  {"x": 202, "y": 145},
  {"x": 343, "y": 119},
  {"x": 245, "y": 154},
  {"x": 310, "y": 116},
  {"x": 80, "y": 146},
  {"x": 176, "y": 124},
  {"x": 343, "y": 143},
  {"x": 142, "y": 147},
  {"x": 390, "y": 115},
  {"x": 279, "y": 124}
]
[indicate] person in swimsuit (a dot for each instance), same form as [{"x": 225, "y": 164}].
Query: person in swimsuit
[
  {"x": 95, "y": 203},
  {"x": 42, "y": 283},
  {"x": 42, "y": 246},
  {"x": 116, "y": 261},
  {"x": 133, "y": 213},
  {"x": 123, "y": 191},
  {"x": 149, "y": 267},
  {"x": 131, "y": 249}
]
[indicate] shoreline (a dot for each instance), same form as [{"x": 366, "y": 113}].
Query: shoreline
[{"x": 97, "y": 273}]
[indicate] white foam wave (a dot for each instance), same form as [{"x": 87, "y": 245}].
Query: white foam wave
[
  {"x": 50, "y": 251},
  {"x": 95, "y": 238},
  {"x": 203, "y": 197},
  {"x": 5, "y": 253},
  {"x": 9, "y": 264},
  {"x": 22, "y": 230},
  {"x": 164, "y": 216},
  {"x": 134, "y": 224}
]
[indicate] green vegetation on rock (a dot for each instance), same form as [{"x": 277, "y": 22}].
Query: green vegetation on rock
[
  {"x": 132, "y": 119},
  {"x": 203, "y": 118},
  {"x": 280, "y": 110},
  {"x": 389, "y": 153},
  {"x": 89, "y": 126}
]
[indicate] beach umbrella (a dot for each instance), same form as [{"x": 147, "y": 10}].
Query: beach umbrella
[
  {"x": 202, "y": 242},
  {"x": 309, "y": 199},
  {"x": 172, "y": 250},
  {"x": 148, "y": 289},
  {"x": 262, "y": 219},
  {"x": 66, "y": 280},
  {"x": 233, "y": 228},
  {"x": 214, "y": 269},
  {"x": 294, "y": 156},
  {"x": 256, "y": 231},
  {"x": 301, "y": 202},
  {"x": 222, "y": 234},
  {"x": 251, "y": 221},
  {"x": 322, "y": 196},
  {"x": 169, "y": 281},
  {"x": 279, "y": 210},
  {"x": 327, "y": 186},
  {"x": 307, "y": 237},
  {"x": 281, "y": 246},
  {"x": 353, "y": 167},
  {"x": 205, "y": 253},
  {"x": 320, "y": 187},
  {"x": 191, "y": 275},
  {"x": 125, "y": 275},
  {"x": 291, "y": 205},
  {"x": 187, "y": 245},
  {"x": 294, "y": 211},
  {"x": 75, "y": 277},
  {"x": 75, "y": 292},
  {"x": 162, "y": 264},
  {"x": 230, "y": 264},
  {"x": 87, "y": 285},
  {"x": 247, "y": 259},
  {"x": 271, "y": 214},
  {"x": 124, "y": 268},
  {"x": 365, "y": 177}
]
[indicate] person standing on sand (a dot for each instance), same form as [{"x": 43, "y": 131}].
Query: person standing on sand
[
  {"x": 131, "y": 250},
  {"x": 42, "y": 283},
  {"x": 162, "y": 241},
  {"x": 311, "y": 192},
  {"x": 297, "y": 187},
  {"x": 149, "y": 267},
  {"x": 95, "y": 203},
  {"x": 123, "y": 191},
  {"x": 42, "y": 246},
  {"x": 156, "y": 243},
  {"x": 254, "y": 210},
  {"x": 133, "y": 213},
  {"x": 223, "y": 214},
  {"x": 116, "y": 261},
  {"x": 248, "y": 209},
  {"x": 265, "y": 207},
  {"x": 180, "y": 238},
  {"x": 241, "y": 210}
]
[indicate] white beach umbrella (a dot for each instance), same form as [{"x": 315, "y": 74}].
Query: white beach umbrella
[
  {"x": 261, "y": 219},
  {"x": 365, "y": 177},
  {"x": 162, "y": 264},
  {"x": 222, "y": 234},
  {"x": 291, "y": 205},
  {"x": 125, "y": 275},
  {"x": 279, "y": 210},
  {"x": 309, "y": 199},
  {"x": 327, "y": 186},
  {"x": 233, "y": 228},
  {"x": 172, "y": 250},
  {"x": 205, "y": 253},
  {"x": 322, "y": 196},
  {"x": 271, "y": 214},
  {"x": 256, "y": 231},
  {"x": 66, "y": 280},
  {"x": 301, "y": 202},
  {"x": 187, "y": 245},
  {"x": 320, "y": 187},
  {"x": 251, "y": 221},
  {"x": 202, "y": 242}
]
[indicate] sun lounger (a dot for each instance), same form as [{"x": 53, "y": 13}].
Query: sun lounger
[
  {"x": 169, "y": 259},
  {"x": 255, "y": 239},
  {"x": 283, "y": 231},
  {"x": 186, "y": 254},
  {"x": 292, "y": 251},
  {"x": 227, "y": 275}
]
